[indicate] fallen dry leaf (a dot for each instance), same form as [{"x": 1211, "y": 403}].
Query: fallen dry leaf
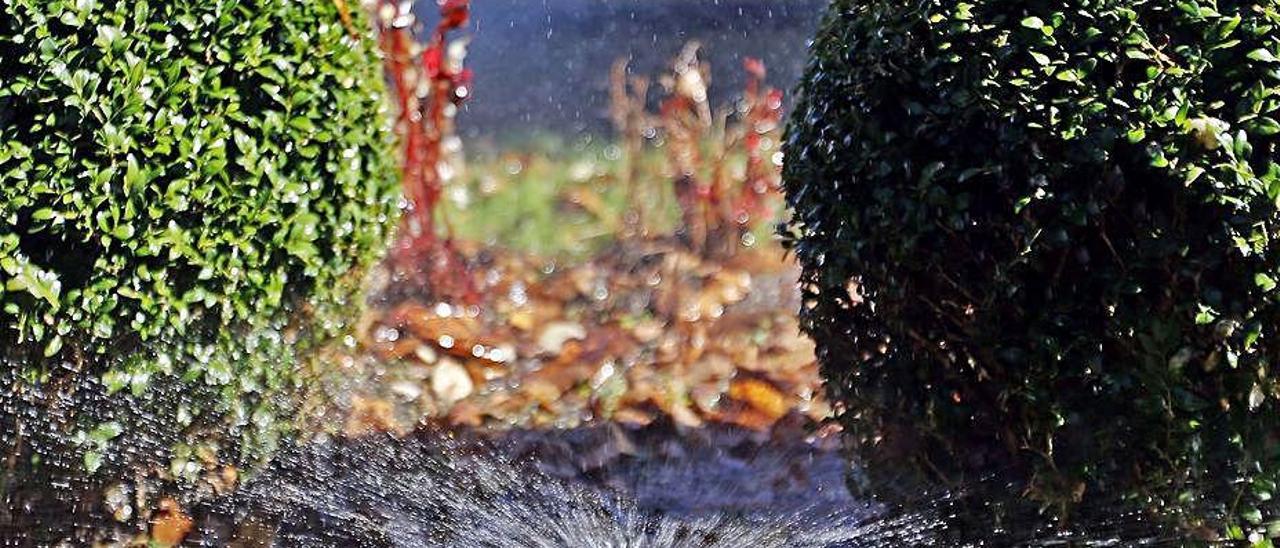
[
  {"x": 521, "y": 319},
  {"x": 406, "y": 390},
  {"x": 467, "y": 413},
  {"x": 683, "y": 337},
  {"x": 224, "y": 480},
  {"x": 684, "y": 416},
  {"x": 170, "y": 525},
  {"x": 450, "y": 381},
  {"x": 553, "y": 336},
  {"x": 648, "y": 331},
  {"x": 369, "y": 415},
  {"x": 761, "y": 396},
  {"x": 631, "y": 416},
  {"x": 542, "y": 391},
  {"x": 450, "y": 334}
]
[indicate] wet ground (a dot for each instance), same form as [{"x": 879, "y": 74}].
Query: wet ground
[
  {"x": 605, "y": 485},
  {"x": 600, "y": 486}
]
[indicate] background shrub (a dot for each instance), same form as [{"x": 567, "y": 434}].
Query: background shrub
[
  {"x": 1038, "y": 238},
  {"x": 188, "y": 188}
]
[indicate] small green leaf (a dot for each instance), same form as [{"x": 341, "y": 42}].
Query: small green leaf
[
  {"x": 1252, "y": 515},
  {"x": 133, "y": 176},
  {"x": 1251, "y": 335},
  {"x": 106, "y": 431},
  {"x": 107, "y": 35},
  {"x": 1205, "y": 316},
  {"x": 92, "y": 461},
  {"x": 1262, "y": 54},
  {"x": 303, "y": 124},
  {"x": 1194, "y": 173},
  {"x": 1266, "y": 126},
  {"x": 30, "y": 278},
  {"x": 55, "y": 345},
  {"x": 1264, "y": 281}
]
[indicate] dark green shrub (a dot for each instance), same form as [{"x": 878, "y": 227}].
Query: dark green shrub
[
  {"x": 1039, "y": 239},
  {"x": 187, "y": 188}
]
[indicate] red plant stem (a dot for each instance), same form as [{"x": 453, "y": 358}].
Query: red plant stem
[
  {"x": 423, "y": 123},
  {"x": 764, "y": 111}
]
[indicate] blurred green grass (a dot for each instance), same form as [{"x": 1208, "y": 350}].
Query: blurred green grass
[
  {"x": 564, "y": 199},
  {"x": 559, "y": 199}
]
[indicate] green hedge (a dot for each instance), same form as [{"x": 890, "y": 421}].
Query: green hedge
[
  {"x": 189, "y": 188},
  {"x": 1038, "y": 240}
]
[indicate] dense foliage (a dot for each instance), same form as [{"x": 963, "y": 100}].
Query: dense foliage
[
  {"x": 1039, "y": 238},
  {"x": 179, "y": 182}
]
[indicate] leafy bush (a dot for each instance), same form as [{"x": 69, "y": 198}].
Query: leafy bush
[
  {"x": 183, "y": 182},
  {"x": 1038, "y": 239}
]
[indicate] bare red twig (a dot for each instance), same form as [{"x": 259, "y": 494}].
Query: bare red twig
[
  {"x": 720, "y": 200},
  {"x": 763, "y": 117},
  {"x": 428, "y": 86}
]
